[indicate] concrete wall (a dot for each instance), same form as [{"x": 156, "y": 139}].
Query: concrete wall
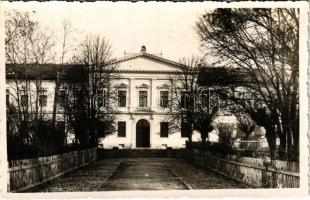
[
  {"x": 254, "y": 172},
  {"x": 28, "y": 173}
]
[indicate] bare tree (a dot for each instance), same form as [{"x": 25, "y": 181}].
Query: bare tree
[
  {"x": 191, "y": 104},
  {"x": 96, "y": 110},
  {"x": 263, "y": 43},
  {"x": 65, "y": 48},
  {"x": 28, "y": 48}
]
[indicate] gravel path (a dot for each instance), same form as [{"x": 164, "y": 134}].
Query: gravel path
[
  {"x": 203, "y": 178},
  {"x": 88, "y": 178},
  {"x": 139, "y": 174}
]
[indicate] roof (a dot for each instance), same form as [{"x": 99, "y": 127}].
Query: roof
[
  {"x": 45, "y": 71},
  {"x": 49, "y": 71},
  {"x": 222, "y": 76}
]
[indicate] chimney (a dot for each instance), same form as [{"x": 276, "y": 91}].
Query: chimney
[{"x": 143, "y": 49}]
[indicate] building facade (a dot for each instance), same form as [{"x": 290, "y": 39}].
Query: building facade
[
  {"x": 143, "y": 91},
  {"x": 143, "y": 94}
]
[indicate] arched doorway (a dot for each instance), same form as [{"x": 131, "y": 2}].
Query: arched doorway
[{"x": 143, "y": 133}]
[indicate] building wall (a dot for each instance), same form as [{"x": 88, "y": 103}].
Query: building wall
[
  {"x": 139, "y": 73},
  {"x": 48, "y": 85},
  {"x": 173, "y": 140},
  {"x": 132, "y": 83}
]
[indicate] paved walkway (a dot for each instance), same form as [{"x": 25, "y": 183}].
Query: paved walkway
[{"x": 139, "y": 174}]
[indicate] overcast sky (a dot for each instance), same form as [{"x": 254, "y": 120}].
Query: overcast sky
[{"x": 161, "y": 27}]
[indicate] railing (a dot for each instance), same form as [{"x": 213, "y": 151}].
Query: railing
[
  {"x": 255, "y": 172},
  {"x": 28, "y": 173}
]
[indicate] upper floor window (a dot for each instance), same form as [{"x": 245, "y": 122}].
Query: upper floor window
[
  {"x": 43, "y": 98},
  {"x": 142, "y": 99},
  {"x": 7, "y": 97},
  {"x": 101, "y": 98},
  {"x": 121, "y": 129},
  {"x": 183, "y": 100},
  {"x": 24, "y": 100},
  {"x": 61, "y": 97},
  {"x": 164, "y": 99},
  {"x": 121, "y": 98},
  {"x": 164, "y": 128}
]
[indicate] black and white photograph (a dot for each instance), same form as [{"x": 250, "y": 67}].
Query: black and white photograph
[{"x": 112, "y": 97}]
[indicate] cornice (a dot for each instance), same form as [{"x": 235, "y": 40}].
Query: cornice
[{"x": 147, "y": 72}]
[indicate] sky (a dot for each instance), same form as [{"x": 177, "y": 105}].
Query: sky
[{"x": 166, "y": 27}]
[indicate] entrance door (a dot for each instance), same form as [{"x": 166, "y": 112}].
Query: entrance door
[{"x": 143, "y": 133}]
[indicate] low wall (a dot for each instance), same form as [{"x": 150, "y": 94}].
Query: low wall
[
  {"x": 255, "y": 172},
  {"x": 28, "y": 173},
  {"x": 141, "y": 153}
]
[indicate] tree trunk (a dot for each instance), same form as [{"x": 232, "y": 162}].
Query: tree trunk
[
  {"x": 282, "y": 149},
  {"x": 56, "y": 92},
  {"x": 271, "y": 139},
  {"x": 296, "y": 141},
  {"x": 203, "y": 135}
]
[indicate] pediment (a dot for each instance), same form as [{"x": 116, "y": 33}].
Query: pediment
[
  {"x": 143, "y": 85},
  {"x": 147, "y": 63},
  {"x": 163, "y": 86},
  {"x": 122, "y": 85}
]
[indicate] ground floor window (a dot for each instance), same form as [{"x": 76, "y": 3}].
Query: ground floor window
[
  {"x": 185, "y": 129},
  {"x": 164, "y": 129},
  {"x": 121, "y": 129}
]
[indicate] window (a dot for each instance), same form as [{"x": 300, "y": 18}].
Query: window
[
  {"x": 24, "y": 100},
  {"x": 7, "y": 97},
  {"x": 101, "y": 98},
  {"x": 104, "y": 97},
  {"x": 164, "y": 128},
  {"x": 121, "y": 129},
  {"x": 185, "y": 129},
  {"x": 142, "y": 99},
  {"x": 121, "y": 98},
  {"x": 183, "y": 100},
  {"x": 104, "y": 128},
  {"x": 43, "y": 100},
  {"x": 164, "y": 99},
  {"x": 61, "y": 97}
]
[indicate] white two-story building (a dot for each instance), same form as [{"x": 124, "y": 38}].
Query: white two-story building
[
  {"x": 143, "y": 90},
  {"x": 143, "y": 93}
]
